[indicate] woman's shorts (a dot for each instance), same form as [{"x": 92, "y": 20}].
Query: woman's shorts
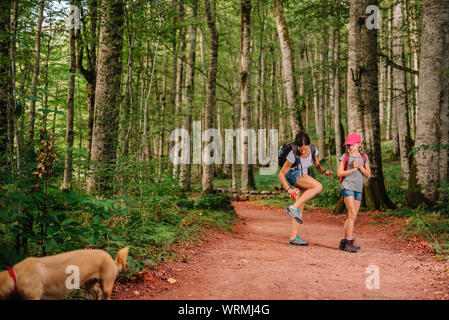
[
  {"x": 350, "y": 193},
  {"x": 292, "y": 176}
]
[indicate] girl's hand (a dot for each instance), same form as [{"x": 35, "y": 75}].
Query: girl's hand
[
  {"x": 328, "y": 173},
  {"x": 356, "y": 164}
]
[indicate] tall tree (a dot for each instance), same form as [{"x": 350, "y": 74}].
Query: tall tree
[
  {"x": 35, "y": 79},
  {"x": 400, "y": 93},
  {"x": 180, "y": 72},
  {"x": 107, "y": 96},
  {"x": 208, "y": 169},
  {"x": 245, "y": 85},
  {"x": 188, "y": 93},
  {"x": 69, "y": 135},
  {"x": 365, "y": 99},
  {"x": 87, "y": 42},
  {"x": 5, "y": 81},
  {"x": 432, "y": 131},
  {"x": 339, "y": 134},
  {"x": 288, "y": 68}
]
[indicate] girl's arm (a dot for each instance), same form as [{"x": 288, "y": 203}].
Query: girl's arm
[
  {"x": 341, "y": 172},
  {"x": 366, "y": 171}
]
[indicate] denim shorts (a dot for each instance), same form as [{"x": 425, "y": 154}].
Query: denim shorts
[
  {"x": 292, "y": 176},
  {"x": 350, "y": 193}
]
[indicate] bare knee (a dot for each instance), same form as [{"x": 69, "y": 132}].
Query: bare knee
[{"x": 319, "y": 187}]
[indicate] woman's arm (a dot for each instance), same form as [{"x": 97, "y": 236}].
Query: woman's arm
[
  {"x": 341, "y": 172},
  {"x": 320, "y": 169},
  {"x": 287, "y": 165}
]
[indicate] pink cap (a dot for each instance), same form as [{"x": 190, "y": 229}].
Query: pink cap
[{"x": 352, "y": 139}]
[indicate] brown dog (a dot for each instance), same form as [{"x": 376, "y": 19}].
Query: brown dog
[{"x": 54, "y": 277}]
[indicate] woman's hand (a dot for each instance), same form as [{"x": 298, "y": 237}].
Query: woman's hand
[{"x": 295, "y": 191}]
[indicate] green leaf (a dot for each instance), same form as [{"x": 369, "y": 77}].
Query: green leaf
[
  {"x": 33, "y": 97},
  {"x": 47, "y": 111}
]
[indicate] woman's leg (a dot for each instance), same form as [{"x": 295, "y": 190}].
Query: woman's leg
[
  {"x": 353, "y": 207},
  {"x": 295, "y": 224},
  {"x": 310, "y": 188}
]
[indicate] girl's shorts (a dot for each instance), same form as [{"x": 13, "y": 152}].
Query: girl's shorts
[{"x": 349, "y": 193}]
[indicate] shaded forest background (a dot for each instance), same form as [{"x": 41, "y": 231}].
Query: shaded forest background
[{"x": 86, "y": 114}]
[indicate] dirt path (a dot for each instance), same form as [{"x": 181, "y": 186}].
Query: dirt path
[{"x": 256, "y": 262}]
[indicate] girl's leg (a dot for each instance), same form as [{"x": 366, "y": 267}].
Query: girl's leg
[
  {"x": 353, "y": 207},
  {"x": 311, "y": 188},
  {"x": 296, "y": 225}
]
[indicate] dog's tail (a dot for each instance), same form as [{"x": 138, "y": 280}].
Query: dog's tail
[{"x": 120, "y": 260}]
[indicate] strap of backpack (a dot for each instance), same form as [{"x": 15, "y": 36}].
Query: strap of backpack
[
  {"x": 313, "y": 151},
  {"x": 363, "y": 157},
  {"x": 345, "y": 164},
  {"x": 296, "y": 154}
]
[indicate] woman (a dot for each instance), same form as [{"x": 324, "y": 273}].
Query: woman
[{"x": 294, "y": 173}]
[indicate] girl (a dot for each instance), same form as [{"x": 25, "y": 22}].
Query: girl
[
  {"x": 352, "y": 186},
  {"x": 304, "y": 186}
]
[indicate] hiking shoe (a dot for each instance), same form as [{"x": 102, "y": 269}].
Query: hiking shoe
[
  {"x": 356, "y": 246},
  {"x": 342, "y": 244},
  {"x": 294, "y": 213},
  {"x": 298, "y": 242},
  {"x": 349, "y": 246}
]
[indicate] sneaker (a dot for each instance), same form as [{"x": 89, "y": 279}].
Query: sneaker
[
  {"x": 342, "y": 244},
  {"x": 294, "y": 213},
  {"x": 298, "y": 242},
  {"x": 349, "y": 246}
]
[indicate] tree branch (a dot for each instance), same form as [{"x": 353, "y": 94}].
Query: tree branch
[{"x": 395, "y": 65}]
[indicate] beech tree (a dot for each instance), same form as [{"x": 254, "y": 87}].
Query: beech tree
[{"x": 107, "y": 96}]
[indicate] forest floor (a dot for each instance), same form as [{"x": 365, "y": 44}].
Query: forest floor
[{"x": 255, "y": 261}]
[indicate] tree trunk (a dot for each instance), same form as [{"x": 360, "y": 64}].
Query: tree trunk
[
  {"x": 430, "y": 167},
  {"x": 146, "y": 143},
  {"x": 354, "y": 109},
  {"x": 90, "y": 73},
  {"x": 339, "y": 135},
  {"x": 35, "y": 79},
  {"x": 400, "y": 92},
  {"x": 69, "y": 134},
  {"x": 288, "y": 68},
  {"x": 107, "y": 97},
  {"x": 208, "y": 169},
  {"x": 188, "y": 94},
  {"x": 179, "y": 75},
  {"x": 315, "y": 90},
  {"x": 321, "y": 106},
  {"x": 5, "y": 80},
  {"x": 365, "y": 95},
  {"x": 245, "y": 86}
]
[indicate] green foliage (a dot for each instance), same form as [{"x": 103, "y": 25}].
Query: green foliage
[{"x": 444, "y": 204}]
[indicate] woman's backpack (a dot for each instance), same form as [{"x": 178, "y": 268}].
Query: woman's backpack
[{"x": 285, "y": 149}]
